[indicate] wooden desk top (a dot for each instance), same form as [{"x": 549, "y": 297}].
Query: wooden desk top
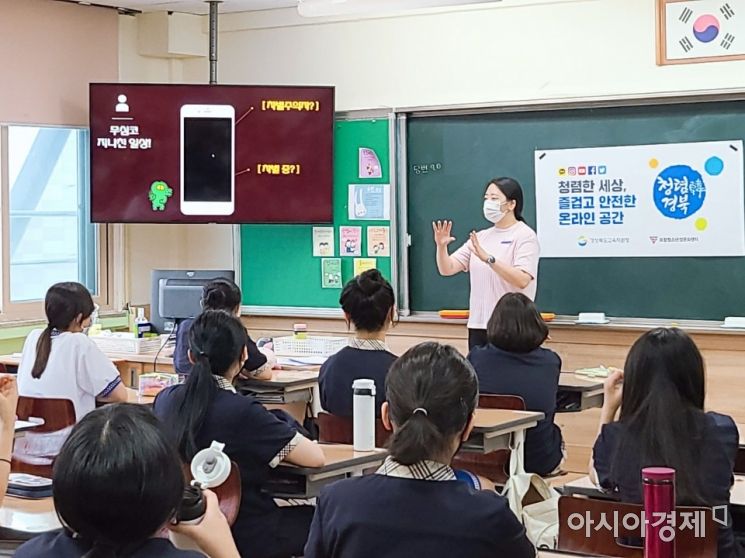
[
  {"x": 15, "y": 359},
  {"x": 134, "y": 397},
  {"x": 569, "y": 381},
  {"x": 283, "y": 380},
  {"x": 340, "y": 457},
  {"x": 488, "y": 420},
  {"x": 143, "y": 358},
  {"x": 584, "y": 485},
  {"x": 28, "y": 516}
]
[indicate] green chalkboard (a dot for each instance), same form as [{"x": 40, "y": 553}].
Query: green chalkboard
[
  {"x": 277, "y": 263},
  {"x": 461, "y": 153}
]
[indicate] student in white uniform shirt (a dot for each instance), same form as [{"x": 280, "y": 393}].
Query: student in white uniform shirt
[
  {"x": 500, "y": 259},
  {"x": 60, "y": 361}
]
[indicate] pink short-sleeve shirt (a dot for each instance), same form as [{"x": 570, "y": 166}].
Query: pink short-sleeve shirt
[{"x": 516, "y": 246}]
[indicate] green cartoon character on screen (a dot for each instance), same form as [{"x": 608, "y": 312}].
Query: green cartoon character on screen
[{"x": 159, "y": 194}]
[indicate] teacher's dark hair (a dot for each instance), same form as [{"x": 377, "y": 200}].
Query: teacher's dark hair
[
  {"x": 63, "y": 304},
  {"x": 515, "y": 325},
  {"x": 438, "y": 379},
  {"x": 662, "y": 410},
  {"x": 117, "y": 479},
  {"x": 368, "y": 300},
  {"x": 216, "y": 341},
  {"x": 512, "y": 191}
]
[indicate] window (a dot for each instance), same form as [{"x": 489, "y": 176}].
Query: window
[{"x": 47, "y": 233}]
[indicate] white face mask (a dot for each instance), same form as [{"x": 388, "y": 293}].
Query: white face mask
[{"x": 493, "y": 211}]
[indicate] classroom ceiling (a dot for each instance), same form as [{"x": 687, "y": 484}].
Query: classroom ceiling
[{"x": 194, "y": 6}]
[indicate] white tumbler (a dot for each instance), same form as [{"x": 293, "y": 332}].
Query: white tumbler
[
  {"x": 364, "y": 415},
  {"x": 209, "y": 469}
]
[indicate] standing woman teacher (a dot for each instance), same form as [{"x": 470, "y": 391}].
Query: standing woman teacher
[{"x": 501, "y": 259}]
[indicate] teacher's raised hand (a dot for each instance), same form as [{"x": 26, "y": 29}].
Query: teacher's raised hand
[
  {"x": 446, "y": 264},
  {"x": 442, "y": 230},
  {"x": 476, "y": 247}
]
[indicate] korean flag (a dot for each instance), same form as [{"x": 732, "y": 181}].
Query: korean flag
[{"x": 700, "y": 28}]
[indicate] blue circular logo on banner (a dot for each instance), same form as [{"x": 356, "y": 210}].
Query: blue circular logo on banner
[{"x": 679, "y": 192}]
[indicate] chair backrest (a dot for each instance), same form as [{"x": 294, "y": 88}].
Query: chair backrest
[
  {"x": 333, "y": 429},
  {"x": 511, "y": 402},
  {"x": 35, "y": 452},
  {"x": 740, "y": 461},
  {"x": 228, "y": 493},
  {"x": 492, "y": 465},
  {"x": 56, "y": 413},
  {"x": 576, "y": 513}
]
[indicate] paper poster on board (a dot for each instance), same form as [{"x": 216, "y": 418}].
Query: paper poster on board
[
  {"x": 369, "y": 202},
  {"x": 678, "y": 199},
  {"x": 378, "y": 241},
  {"x": 323, "y": 241},
  {"x": 369, "y": 164},
  {"x": 350, "y": 241},
  {"x": 331, "y": 273},
  {"x": 363, "y": 264}
]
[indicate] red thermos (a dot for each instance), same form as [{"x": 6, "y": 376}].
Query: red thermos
[{"x": 659, "y": 499}]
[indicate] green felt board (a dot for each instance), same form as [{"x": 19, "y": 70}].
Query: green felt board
[
  {"x": 277, "y": 263},
  {"x": 473, "y": 149}
]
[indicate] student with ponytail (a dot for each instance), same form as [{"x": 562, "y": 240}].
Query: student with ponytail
[
  {"x": 60, "y": 361},
  {"x": 368, "y": 302},
  {"x": 414, "y": 505},
  {"x": 207, "y": 408},
  {"x": 117, "y": 483},
  {"x": 223, "y": 294}
]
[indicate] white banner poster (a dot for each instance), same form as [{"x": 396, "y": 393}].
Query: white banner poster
[{"x": 678, "y": 199}]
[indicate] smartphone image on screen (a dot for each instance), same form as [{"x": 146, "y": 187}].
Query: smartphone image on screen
[{"x": 207, "y": 159}]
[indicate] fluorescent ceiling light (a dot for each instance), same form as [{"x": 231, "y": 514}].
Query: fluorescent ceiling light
[{"x": 320, "y": 8}]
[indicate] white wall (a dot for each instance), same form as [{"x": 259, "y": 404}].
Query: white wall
[
  {"x": 515, "y": 50},
  {"x": 149, "y": 247}
]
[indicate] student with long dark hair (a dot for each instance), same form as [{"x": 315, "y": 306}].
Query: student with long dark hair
[
  {"x": 208, "y": 408},
  {"x": 514, "y": 363},
  {"x": 500, "y": 259},
  {"x": 414, "y": 505},
  {"x": 61, "y": 361},
  {"x": 662, "y": 423},
  {"x": 368, "y": 302},
  {"x": 117, "y": 483},
  {"x": 222, "y": 294}
]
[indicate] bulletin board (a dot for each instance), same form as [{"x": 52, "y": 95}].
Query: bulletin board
[{"x": 278, "y": 265}]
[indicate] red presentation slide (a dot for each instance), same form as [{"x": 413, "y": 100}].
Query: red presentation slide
[{"x": 211, "y": 153}]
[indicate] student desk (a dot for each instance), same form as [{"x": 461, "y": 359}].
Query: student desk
[
  {"x": 291, "y": 390},
  {"x": 583, "y": 486},
  {"x": 22, "y": 519},
  {"x": 588, "y": 390},
  {"x": 134, "y": 397},
  {"x": 130, "y": 366},
  {"x": 494, "y": 429},
  {"x": 289, "y": 386},
  {"x": 289, "y": 481}
]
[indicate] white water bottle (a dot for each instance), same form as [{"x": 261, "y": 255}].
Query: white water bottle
[
  {"x": 209, "y": 468},
  {"x": 364, "y": 415}
]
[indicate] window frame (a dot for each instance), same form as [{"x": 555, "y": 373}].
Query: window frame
[{"x": 33, "y": 310}]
